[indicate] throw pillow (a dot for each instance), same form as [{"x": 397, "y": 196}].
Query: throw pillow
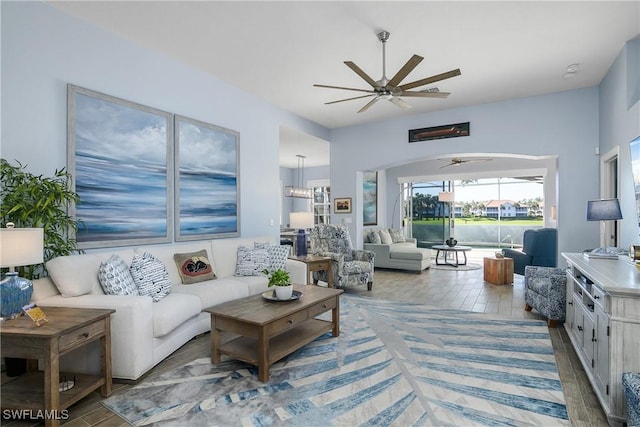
[
  {"x": 115, "y": 277},
  {"x": 396, "y": 236},
  {"x": 385, "y": 237},
  {"x": 374, "y": 237},
  {"x": 151, "y": 276},
  {"x": 194, "y": 267},
  {"x": 251, "y": 262},
  {"x": 278, "y": 254}
]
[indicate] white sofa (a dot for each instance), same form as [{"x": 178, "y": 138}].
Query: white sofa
[
  {"x": 400, "y": 255},
  {"x": 143, "y": 332}
]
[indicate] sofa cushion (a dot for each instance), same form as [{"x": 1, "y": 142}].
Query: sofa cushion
[
  {"x": 165, "y": 254},
  {"x": 115, "y": 277},
  {"x": 76, "y": 275},
  {"x": 396, "y": 236},
  {"x": 385, "y": 237},
  {"x": 214, "y": 292},
  {"x": 150, "y": 276},
  {"x": 278, "y": 254},
  {"x": 194, "y": 267},
  {"x": 251, "y": 262},
  {"x": 408, "y": 251},
  {"x": 172, "y": 311},
  {"x": 373, "y": 237}
]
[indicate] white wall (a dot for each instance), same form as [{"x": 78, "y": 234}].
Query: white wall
[
  {"x": 44, "y": 49},
  {"x": 562, "y": 124},
  {"x": 619, "y": 125}
]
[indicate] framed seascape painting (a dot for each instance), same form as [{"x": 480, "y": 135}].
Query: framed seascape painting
[
  {"x": 370, "y": 198},
  {"x": 119, "y": 154},
  {"x": 634, "y": 147},
  {"x": 207, "y": 194}
]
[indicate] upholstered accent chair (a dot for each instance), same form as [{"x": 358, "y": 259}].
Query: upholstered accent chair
[
  {"x": 631, "y": 386},
  {"x": 539, "y": 247},
  {"x": 545, "y": 289},
  {"x": 350, "y": 266}
]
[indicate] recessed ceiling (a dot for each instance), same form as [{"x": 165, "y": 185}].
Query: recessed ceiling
[{"x": 278, "y": 50}]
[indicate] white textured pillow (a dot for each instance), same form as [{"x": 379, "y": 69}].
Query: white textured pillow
[
  {"x": 151, "y": 276},
  {"x": 251, "y": 262},
  {"x": 385, "y": 237},
  {"x": 374, "y": 237},
  {"x": 115, "y": 277},
  {"x": 396, "y": 236},
  {"x": 278, "y": 254}
]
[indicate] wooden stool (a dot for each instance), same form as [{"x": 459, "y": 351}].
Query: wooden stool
[{"x": 498, "y": 271}]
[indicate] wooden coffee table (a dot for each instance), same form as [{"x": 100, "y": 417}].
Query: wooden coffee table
[{"x": 271, "y": 330}]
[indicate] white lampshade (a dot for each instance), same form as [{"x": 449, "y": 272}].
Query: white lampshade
[
  {"x": 21, "y": 246},
  {"x": 445, "y": 196},
  {"x": 301, "y": 220}
]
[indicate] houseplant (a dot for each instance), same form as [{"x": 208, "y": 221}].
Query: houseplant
[
  {"x": 30, "y": 200},
  {"x": 281, "y": 280}
]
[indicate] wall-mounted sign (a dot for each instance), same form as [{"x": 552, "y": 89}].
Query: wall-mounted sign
[{"x": 439, "y": 132}]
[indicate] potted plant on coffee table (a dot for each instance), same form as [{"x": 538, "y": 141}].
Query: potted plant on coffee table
[{"x": 281, "y": 280}]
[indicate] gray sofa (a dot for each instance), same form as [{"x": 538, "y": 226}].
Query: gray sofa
[{"x": 393, "y": 250}]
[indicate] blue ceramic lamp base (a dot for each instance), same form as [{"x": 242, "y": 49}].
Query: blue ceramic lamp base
[{"x": 15, "y": 292}]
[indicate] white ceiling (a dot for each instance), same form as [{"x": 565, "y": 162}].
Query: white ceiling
[{"x": 278, "y": 50}]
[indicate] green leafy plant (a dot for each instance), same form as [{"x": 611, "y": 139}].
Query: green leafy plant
[
  {"x": 30, "y": 200},
  {"x": 278, "y": 277}
]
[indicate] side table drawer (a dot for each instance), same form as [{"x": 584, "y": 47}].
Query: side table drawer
[
  {"x": 80, "y": 336},
  {"x": 321, "y": 307},
  {"x": 289, "y": 322}
]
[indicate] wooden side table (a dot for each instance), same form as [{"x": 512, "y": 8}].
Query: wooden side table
[
  {"x": 67, "y": 329},
  {"x": 316, "y": 263},
  {"x": 498, "y": 271}
]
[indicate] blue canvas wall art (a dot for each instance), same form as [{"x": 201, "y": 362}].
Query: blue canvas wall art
[
  {"x": 119, "y": 156},
  {"x": 206, "y": 180},
  {"x": 370, "y": 198}
]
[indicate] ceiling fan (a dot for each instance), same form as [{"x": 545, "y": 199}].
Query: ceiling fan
[
  {"x": 391, "y": 90},
  {"x": 457, "y": 161}
]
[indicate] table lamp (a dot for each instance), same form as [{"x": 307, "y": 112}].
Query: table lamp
[
  {"x": 603, "y": 210},
  {"x": 301, "y": 221},
  {"x": 18, "y": 247}
]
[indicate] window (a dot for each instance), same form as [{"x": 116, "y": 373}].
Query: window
[{"x": 321, "y": 202}]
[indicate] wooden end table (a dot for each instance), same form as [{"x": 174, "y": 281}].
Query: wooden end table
[
  {"x": 316, "y": 263},
  {"x": 67, "y": 329},
  {"x": 271, "y": 330},
  {"x": 498, "y": 271}
]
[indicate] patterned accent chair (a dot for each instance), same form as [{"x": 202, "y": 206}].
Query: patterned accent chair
[
  {"x": 545, "y": 289},
  {"x": 631, "y": 385},
  {"x": 350, "y": 266}
]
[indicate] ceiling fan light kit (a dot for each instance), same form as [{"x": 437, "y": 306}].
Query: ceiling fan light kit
[{"x": 392, "y": 90}]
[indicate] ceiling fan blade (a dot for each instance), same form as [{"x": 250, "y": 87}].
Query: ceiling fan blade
[
  {"x": 425, "y": 94},
  {"x": 347, "y": 99},
  {"x": 344, "y": 88},
  {"x": 369, "y": 104},
  {"x": 405, "y": 70},
  {"x": 400, "y": 103},
  {"x": 361, "y": 73},
  {"x": 431, "y": 79}
]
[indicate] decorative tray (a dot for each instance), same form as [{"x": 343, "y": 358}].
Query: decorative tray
[{"x": 271, "y": 296}]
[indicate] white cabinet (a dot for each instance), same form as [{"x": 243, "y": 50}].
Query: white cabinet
[{"x": 603, "y": 323}]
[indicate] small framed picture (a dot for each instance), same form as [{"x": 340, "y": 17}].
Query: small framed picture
[{"x": 342, "y": 205}]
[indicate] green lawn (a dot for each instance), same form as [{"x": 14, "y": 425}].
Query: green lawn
[{"x": 485, "y": 221}]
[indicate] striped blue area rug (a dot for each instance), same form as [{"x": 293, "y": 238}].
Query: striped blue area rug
[{"x": 394, "y": 364}]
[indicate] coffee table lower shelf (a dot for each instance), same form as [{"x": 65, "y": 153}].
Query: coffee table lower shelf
[{"x": 245, "y": 349}]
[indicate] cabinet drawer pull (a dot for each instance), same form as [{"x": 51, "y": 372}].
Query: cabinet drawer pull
[
  {"x": 290, "y": 321},
  {"x": 579, "y": 328},
  {"x": 570, "y": 303},
  {"x": 596, "y": 297},
  {"x": 85, "y": 334},
  {"x": 324, "y": 305}
]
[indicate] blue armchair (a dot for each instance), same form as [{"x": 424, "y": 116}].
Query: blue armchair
[
  {"x": 545, "y": 289},
  {"x": 539, "y": 247},
  {"x": 350, "y": 266}
]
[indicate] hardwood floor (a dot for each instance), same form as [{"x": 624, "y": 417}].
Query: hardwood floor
[{"x": 465, "y": 290}]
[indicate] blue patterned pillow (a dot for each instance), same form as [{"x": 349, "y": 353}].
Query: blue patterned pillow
[
  {"x": 374, "y": 237},
  {"x": 115, "y": 277},
  {"x": 151, "y": 276},
  {"x": 278, "y": 254},
  {"x": 251, "y": 262}
]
